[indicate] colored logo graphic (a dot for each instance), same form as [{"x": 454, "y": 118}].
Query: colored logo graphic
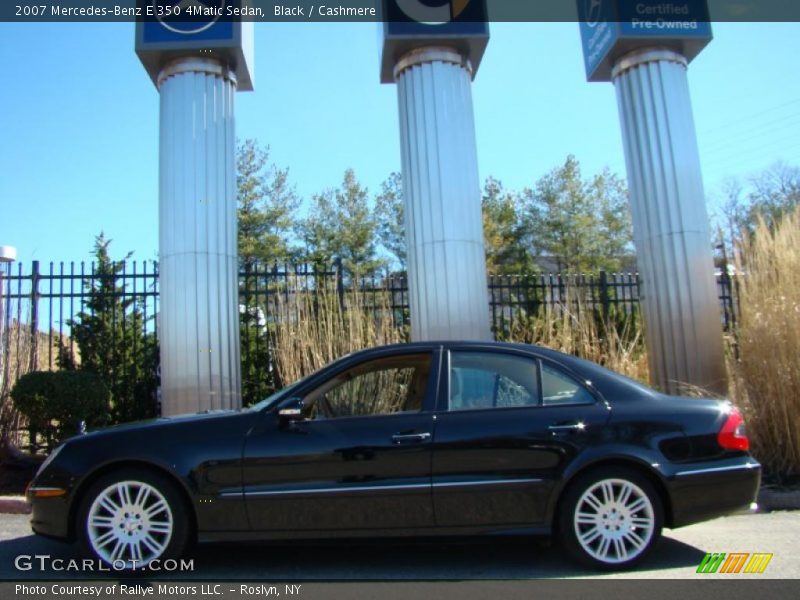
[
  {"x": 734, "y": 562},
  {"x": 188, "y": 17},
  {"x": 592, "y": 10},
  {"x": 432, "y": 12}
]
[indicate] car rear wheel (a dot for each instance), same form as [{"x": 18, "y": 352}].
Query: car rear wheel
[
  {"x": 610, "y": 518},
  {"x": 132, "y": 517}
]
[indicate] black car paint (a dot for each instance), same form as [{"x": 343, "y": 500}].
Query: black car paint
[
  {"x": 372, "y": 486},
  {"x": 201, "y": 453}
]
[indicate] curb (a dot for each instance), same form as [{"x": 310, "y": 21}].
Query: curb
[
  {"x": 770, "y": 499},
  {"x": 14, "y": 505}
]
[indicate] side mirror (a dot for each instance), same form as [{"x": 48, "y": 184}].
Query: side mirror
[{"x": 291, "y": 410}]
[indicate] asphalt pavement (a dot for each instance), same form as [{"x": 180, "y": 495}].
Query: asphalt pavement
[{"x": 475, "y": 559}]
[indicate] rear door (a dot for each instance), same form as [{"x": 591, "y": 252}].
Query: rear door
[{"x": 507, "y": 425}]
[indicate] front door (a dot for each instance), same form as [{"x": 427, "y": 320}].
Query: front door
[{"x": 361, "y": 457}]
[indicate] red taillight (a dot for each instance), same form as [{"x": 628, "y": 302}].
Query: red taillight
[{"x": 733, "y": 436}]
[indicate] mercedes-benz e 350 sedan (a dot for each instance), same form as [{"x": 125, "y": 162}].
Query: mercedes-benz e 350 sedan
[{"x": 419, "y": 439}]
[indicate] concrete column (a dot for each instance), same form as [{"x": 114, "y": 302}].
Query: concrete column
[
  {"x": 670, "y": 223},
  {"x": 199, "y": 315},
  {"x": 444, "y": 232}
]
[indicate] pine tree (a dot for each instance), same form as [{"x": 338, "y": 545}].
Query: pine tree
[
  {"x": 581, "y": 226},
  {"x": 609, "y": 196},
  {"x": 390, "y": 214},
  {"x": 113, "y": 343},
  {"x": 267, "y": 207},
  {"x": 341, "y": 225},
  {"x": 267, "y": 219},
  {"x": 506, "y": 253}
]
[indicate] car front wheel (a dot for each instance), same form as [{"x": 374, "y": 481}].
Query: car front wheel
[
  {"x": 610, "y": 518},
  {"x": 132, "y": 517}
]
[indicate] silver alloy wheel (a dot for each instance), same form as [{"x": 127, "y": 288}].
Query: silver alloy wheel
[
  {"x": 129, "y": 522},
  {"x": 614, "y": 521}
]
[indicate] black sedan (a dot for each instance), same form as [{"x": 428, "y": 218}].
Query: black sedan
[{"x": 419, "y": 439}]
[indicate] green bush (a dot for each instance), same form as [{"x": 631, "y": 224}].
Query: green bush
[{"x": 55, "y": 402}]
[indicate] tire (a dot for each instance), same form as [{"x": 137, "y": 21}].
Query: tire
[
  {"x": 610, "y": 518},
  {"x": 130, "y": 517}
]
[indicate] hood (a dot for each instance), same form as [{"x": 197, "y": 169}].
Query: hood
[{"x": 161, "y": 422}]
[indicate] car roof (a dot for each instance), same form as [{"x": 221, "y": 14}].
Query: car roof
[
  {"x": 428, "y": 345},
  {"x": 433, "y": 344}
]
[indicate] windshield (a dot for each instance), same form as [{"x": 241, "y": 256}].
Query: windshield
[{"x": 273, "y": 398}]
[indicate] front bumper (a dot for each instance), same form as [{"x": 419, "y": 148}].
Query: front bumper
[
  {"x": 50, "y": 516},
  {"x": 704, "y": 491}
]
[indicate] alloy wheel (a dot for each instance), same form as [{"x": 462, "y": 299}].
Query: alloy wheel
[
  {"x": 130, "y": 523},
  {"x": 614, "y": 521}
]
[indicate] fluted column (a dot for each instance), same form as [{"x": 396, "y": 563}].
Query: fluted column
[
  {"x": 444, "y": 231},
  {"x": 199, "y": 323},
  {"x": 670, "y": 223}
]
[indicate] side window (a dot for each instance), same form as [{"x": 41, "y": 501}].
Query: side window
[
  {"x": 559, "y": 388},
  {"x": 380, "y": 387},
  {"x": 489, "y": 380}
]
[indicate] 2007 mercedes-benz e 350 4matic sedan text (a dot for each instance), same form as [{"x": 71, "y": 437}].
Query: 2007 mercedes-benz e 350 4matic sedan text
[{"x": 410, "y": 440}]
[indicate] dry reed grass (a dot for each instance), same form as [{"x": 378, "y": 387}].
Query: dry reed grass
[
  {"x": 765, "y": 380},
  {"x": 313, "y": 328},
  {"x": 572, "y": 328}
]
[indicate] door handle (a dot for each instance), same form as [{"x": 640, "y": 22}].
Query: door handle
[
  {"x": 410, "y": 438},
  {"x": 562, "y": 428}
]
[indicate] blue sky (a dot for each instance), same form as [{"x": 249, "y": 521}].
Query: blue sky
[{"x": 79, "y": 118}]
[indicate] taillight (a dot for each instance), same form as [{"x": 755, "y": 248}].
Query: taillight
[{"x": 733, "y": 436}]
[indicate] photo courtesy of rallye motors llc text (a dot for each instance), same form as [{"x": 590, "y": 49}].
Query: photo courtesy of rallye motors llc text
[{"x": 144, "y": 590}]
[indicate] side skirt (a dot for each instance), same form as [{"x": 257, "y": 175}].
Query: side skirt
[{"x": 428, "y": 532}]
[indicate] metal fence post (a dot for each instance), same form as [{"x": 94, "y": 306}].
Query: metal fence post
[
  {"x": 730, "y": 309},
  {"x": 4, "y": 356},
  {"x": 34, "y": 355},
  {"x": 605, "y": 301},
  {"x": 509, "y": 300},
  {"x": 339, "y": 282}
]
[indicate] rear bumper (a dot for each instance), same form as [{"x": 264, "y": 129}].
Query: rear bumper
[{"x": 703, "y": 491}]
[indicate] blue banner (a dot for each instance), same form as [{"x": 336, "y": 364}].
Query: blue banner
[{"x": 609, "y": 27}]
